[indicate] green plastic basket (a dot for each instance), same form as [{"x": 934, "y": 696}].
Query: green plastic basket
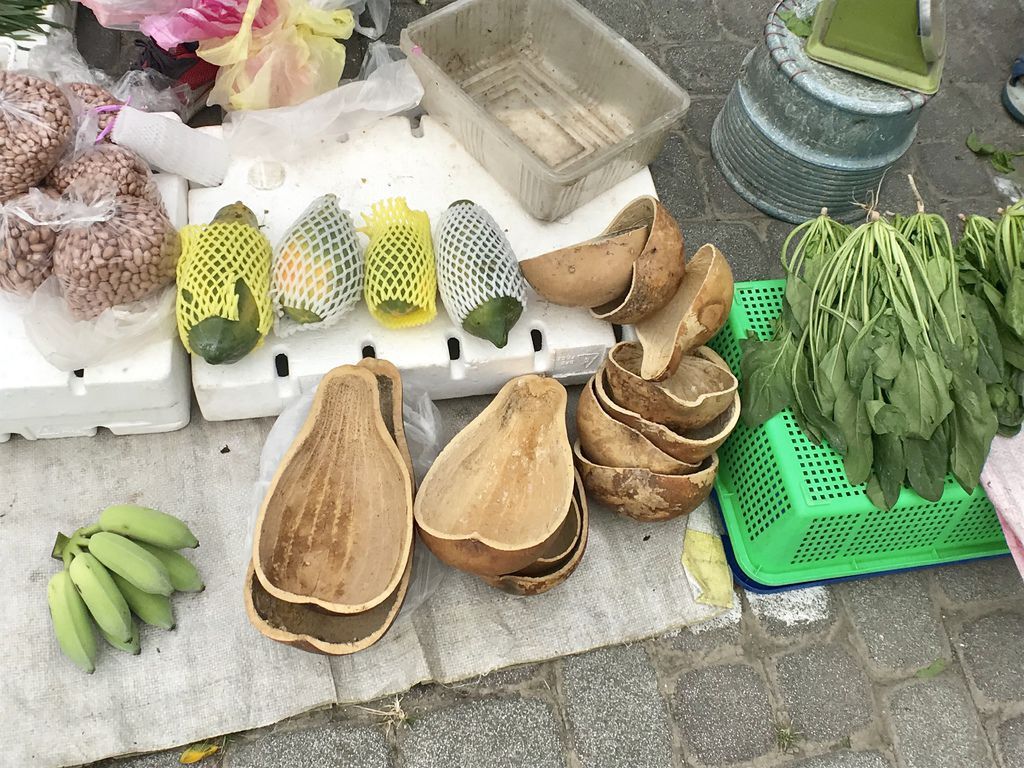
[{"x": 790, "y": 512}]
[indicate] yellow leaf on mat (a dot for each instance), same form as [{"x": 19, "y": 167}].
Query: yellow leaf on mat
[{"x": 198, "y": 752}]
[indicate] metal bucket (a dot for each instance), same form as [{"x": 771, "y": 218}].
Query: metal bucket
[{"x": 796, "y": 136}]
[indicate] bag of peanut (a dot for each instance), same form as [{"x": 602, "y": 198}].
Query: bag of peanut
[
  {"x": 35, "y": 126},
  {"x": 26, "y": 243},
  {"x": 111, "y": 249},
  {"x": 127, "y": 172}
]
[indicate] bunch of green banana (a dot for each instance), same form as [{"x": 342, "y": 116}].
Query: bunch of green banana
[{"x": 124, "y": 564}]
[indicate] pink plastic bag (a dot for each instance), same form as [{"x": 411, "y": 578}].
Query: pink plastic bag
[
  {"x": 230, "y": 22},
  {"x": 128, "y": 14}
]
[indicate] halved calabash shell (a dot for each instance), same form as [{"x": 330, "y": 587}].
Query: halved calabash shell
[
  {"x": 563, "y": 547},
  {"x": 587, "y": 274},
  {"x": 658, "y": 269},
  {"x": 690, "y": 448},
  {"x": 389, "y": 386},
  {"x": 693, "y": 316},
  {"x": 336, "y": 527},
  {"x": 496, "y": 497},
  {"x": 523, "y": 584},
  {"x": 644, "y": 495},
  {"x": 614, "y": 444},
  {"x": 313, "y": 629},
  {"x": 690, "y": 398}
]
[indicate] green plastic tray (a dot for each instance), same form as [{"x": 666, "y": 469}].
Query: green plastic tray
[{"x": 789, "y": 510}]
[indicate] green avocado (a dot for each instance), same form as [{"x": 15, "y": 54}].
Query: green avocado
[
  {"x": 220, "y": 341},
  {"x": 493, "y": 319}
]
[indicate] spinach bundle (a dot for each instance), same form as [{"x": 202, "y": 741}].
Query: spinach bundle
[
  {"x": 990, "y": 258},
  {"x": 876, "y": 354}
]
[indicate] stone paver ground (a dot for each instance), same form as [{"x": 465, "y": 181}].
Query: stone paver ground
[{"x": 912, "y": 671}]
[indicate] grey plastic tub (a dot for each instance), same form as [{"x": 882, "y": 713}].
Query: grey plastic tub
[
  {"x": 552, "y": 102},
  {"x": 796, "y": 136}
]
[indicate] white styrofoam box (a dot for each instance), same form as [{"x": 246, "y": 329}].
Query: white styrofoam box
[
  {"x": 147, "y": 391},
  {"x": 430, "y": 169}
]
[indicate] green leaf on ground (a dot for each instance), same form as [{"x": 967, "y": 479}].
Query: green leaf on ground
[
  {"x": 1001, "y": 159},
  {"x": 934, "y": 669}
]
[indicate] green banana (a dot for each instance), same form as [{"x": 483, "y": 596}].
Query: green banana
[
  {"x": 148, "y": 525},
  {"x": 101, "y": 596},
  {"x": 154, "y": 610},
  {"x": 184, "y": 576},
  {"x": 132, "y": 646},
  {"x": 71, "y": 622},
  {"x": 130, "y": 561}
]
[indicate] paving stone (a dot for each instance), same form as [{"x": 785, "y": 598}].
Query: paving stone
[
  {"x": 825, "y": 692},
  {"x": 968, "y": 59},
  {"x": 329, "y": 746},
  {"x": 725, "y": 714},
  {"x": 677, "y": 177},
  {"x": 615, "y": 710},
  {"x": 845, "y": 759},
  {"x": 948, "y": 115},
  {"x": 498, "y": 733},
  {"x": 724, "y": 200},
  {"x": 980, "y": 580},
  {"x": 749, "y": 258},
  {"x": 744, "y": 18},
  {"x": 723, "y": 631},
  {"x": 698, "y": 121},
  {"x": 992, "y": 649},
  {"x": 936, "y": 726},
  {"x": 894, "y": 617},
  {"x": 953, "y": 171},
  {"x": 792, "y": 614},
  {"x": 509, "y": 676},
  {"x": 1011, "y": 742},
  {"x": 685, "y": 20},
  {"x": 169, "y": 759},
  {"x": 706, "y": 67},
  {"x": 630, "y": 18}
]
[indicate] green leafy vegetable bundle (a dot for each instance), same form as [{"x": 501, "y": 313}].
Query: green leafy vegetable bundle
[
  {"x": 21, "y": 18},
  {"x": 875, "y": 352},
  {"x": 991, "y": 259}
]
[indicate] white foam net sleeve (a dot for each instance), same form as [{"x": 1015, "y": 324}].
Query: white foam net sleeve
[
  {"x": 475, "y": 262},
  {"x": 318, "y": 269}
]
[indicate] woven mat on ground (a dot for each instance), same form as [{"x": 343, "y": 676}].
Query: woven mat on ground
[{"x": 214, "y": 673}]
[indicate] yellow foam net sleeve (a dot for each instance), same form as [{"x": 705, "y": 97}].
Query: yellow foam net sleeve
[
  {"x": 401, "y": 281},
  {"x": 213, "y": 258}
]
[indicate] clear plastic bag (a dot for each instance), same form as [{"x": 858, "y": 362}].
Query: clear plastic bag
[
  {"x": 422, "y": 433},
  {"x": 127, "y": 14},
  {"x": 379, "y": 12},
  {"x": 128, "y": 174},
  {"x": 112, "y": 249},
  {"x": 388, "y": 87},
  {"x": 35, "y": 127},
  {"x": 26, "y": 244},
  {"x": 69, "y": 343}
]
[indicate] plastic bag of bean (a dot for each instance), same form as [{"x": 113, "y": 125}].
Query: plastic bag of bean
[
  {"x": 35, "y": 126},
  {"x": 111, "y": 249},
  {"x": 26, "y": 243},
  {"x": 127, "y": 172}
]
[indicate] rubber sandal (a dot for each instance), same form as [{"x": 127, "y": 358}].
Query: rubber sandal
[{"x": 1013, "y": 91}]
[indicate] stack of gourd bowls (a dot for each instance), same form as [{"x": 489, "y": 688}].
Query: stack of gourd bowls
[
  {"x": 653, "y": 416},
  {"x": 502, "y": 501},
  {"x": 332, "y": 552}
]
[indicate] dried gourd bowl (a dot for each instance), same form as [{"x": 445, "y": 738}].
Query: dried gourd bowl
[
  {"x": 693, "y": 316},
  {"x": 610, "y": 442},
  {"x": 336, "y": 527},
  {"x": 644, "y": 495},
  {"x": 497, "y": 496},
  {"x": 693, "y": 396},
  {"x": 629, "y": 271},
  {"x": 690, "y": 447},
  {"x": 562, "y": 558}
]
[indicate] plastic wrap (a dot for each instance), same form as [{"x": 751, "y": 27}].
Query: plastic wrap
[
  {"x": 422, "y": 433},
  {"x": 111, "y": 249},
  {"x": 388, "y": 87},
  {"x": 26, "y": 244}
]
